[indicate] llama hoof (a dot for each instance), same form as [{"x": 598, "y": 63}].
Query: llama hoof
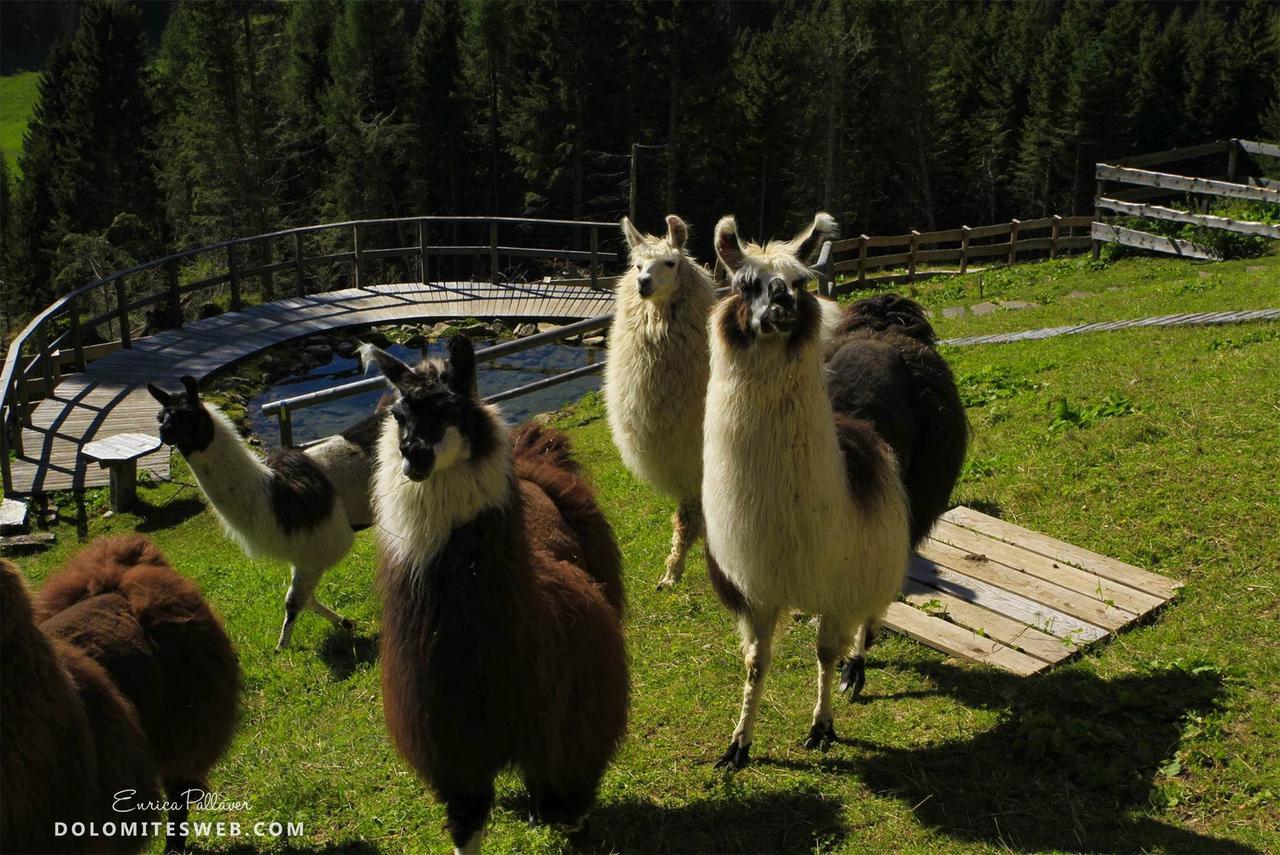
[
  {"x": 821, "y": 736},
  {"x": 737, "y": 757},
  {"x": 853, "y": 676},
  {"x": 667, "y": 582}
]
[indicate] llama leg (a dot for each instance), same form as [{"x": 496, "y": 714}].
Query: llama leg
[
  {"x": 756, "y": 628},
  {"x": 466, "y": 812},
  {"x": 176, "y": 792},
  {"x": 853, "y": 673},
  {"x": 564, "y": 807},
  {"x": 832, "y": 641},
  {"x": 686, "y": 524},
  {"x": 330, "y": 615},
  {"x": 301, "y": 588}
]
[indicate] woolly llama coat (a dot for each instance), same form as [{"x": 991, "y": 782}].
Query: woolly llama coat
[{"x": 656, "y": 378}]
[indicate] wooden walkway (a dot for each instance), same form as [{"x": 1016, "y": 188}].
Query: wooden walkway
[
  {"x": 1186, "y": 319},
  {"x": 996, "y": 593},
  {"x": 110, "y": 396}
]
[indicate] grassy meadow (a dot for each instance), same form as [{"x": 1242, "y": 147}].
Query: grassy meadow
[
  {"x": 1157, "y": 446},
  {"x": 17, "y": 100}
]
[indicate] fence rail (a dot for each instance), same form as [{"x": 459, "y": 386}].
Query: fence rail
[{"x": 56, "y": 337}]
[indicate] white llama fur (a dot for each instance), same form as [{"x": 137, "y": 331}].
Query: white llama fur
[
  {"x": 350, "y": 470},
  {"x": 656, "y": 377},
  {"x": 783, "y": 522},
  {"x": 237, "y": 484}
]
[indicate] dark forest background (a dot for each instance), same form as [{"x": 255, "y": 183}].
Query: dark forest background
[{"x": 162, "y": 125}]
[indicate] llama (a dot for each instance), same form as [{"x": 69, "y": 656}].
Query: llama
[
  {"x": 656, "y": 378},
  {"x": 502, "y": 602},
  {"x": 804, "y": 505},
  {"x": 72, "y": 741},
  {"x": 347, "y": 460},
  {"x": 120, "y": 603},
  {"x": 285, "y": 508}
]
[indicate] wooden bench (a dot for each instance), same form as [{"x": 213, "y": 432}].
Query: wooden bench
[{"x": 120, "y": 454}]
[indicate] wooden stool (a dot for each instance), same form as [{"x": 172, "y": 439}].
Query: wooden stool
[{"x": 120, "y": 454}]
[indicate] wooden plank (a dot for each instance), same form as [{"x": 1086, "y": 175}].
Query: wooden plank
[
  {"x": 1006, "y": 630},
  {"x": 1264, "y": 149},
  {"x": 990, "y": 231},
  {"x": 1132, "y": 600},
  {"x": 989, "y": 250},
  {"x": 1166, "y": 180},
  {"x": 998, "y": 599},
  {"x": 1155, "y": 243},
  {"x": 888, "y": 240},
  {"x": 1175, "y": 154},
  {"x": 1158, "y": 212},
  {"x": 1065, "y": 600},
  {"x": 1067, "y": 553},
  {"x": 959, "y": 641}
]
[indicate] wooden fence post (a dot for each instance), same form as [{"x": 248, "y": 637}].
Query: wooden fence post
[
  {"x": 175, "y": 299},
  {"x": 1233, "y": 158},
  {"x": 24, "y": 410},
  {"x": 286, "y": 427},
  {"x": 493, "y": 251},
  {"x": 1013, "y": 241},
  {"x": 268, "y": 278},
  {"x": 911, "y": 256},
  {"x": 6, "y": 477},
  {"x": 300, "y": 281},
  {"x": 46, "y": 362},
  {"x": 964, "y": 248},
  {"x": 233, "y": 279},
  {"x": 1053, "y": 237},
  {"x": 595, "y": 251},
  {"x": 355, "y": 261},
  {"x": 122, "y": 313},
  {"x": 422, "y": 251},
  {"x": 1099, "y": 191},
  {"x": 77, "y": 344},
  {"x": 862, "y": 259}
]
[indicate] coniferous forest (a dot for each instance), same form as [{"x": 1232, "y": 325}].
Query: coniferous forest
[{"x": 166, "y": 125}]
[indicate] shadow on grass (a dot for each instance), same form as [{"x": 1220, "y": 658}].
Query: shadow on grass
[
  {"x": 343, "y": 652},
  {"x": 354, "y": 847},
  {"x": 1070, "y": 766},
  {"x": 763, "y": 822},
  {"x": 175, "y": 511}
]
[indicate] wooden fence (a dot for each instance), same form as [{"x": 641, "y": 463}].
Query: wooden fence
[
  {"x": 1135, "y": 186},
  {"x": 1009, "y": 243}
]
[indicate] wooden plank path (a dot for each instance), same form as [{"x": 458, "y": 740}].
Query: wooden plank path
[
  {"x": 110, "y": 396},
  {"x": 992, "y": 592},
  {"x": 1186, "y": 319}
]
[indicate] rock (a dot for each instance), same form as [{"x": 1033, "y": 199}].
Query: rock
[
  {"x": 545, "y": 327},
  {"x": 953, "y": 312},
  {"x": 983, "y": 309},
  {"x": 209, "y": 310},
  {"x": 478, "y": 329},
  {"x": 318, "y": 341},
  {"x": 1017, "y": 304},
  {"x": 594, "y": 341},
  {"x": 417, "y": 340},
  {"x": 345, "y": 348},
  {"x": 1079, "y": 295},
  {"x": 375, "y": 337},
  {"x": 321, "y": 353},
  {"x": 524, "y": 330}
]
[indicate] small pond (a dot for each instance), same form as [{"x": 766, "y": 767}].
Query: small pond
[{"x": 508, "y": 372}]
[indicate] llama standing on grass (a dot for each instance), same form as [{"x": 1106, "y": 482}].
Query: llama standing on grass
[
  {"x": 804, "y": 506},
  {"x": 71, "y": 739},
  {"x": 502, "y": 598},
  {"x": 656, "y": 378},
  {"x": 120, "y": 603},
  {"x": 285, "y": 508},
  {"x": 347, "y": 460}
]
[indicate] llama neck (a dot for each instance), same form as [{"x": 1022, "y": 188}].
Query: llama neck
[
  {"x": 229, "y": 473},
  {"x": 416, "y": 519}
]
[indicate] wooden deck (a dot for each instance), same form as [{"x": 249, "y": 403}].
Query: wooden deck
[
  {"x": 996, "y": 593},
  {"x": 110, "y": 396}
]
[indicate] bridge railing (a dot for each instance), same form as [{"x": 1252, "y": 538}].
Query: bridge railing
[{"x": 59, "y": 335}]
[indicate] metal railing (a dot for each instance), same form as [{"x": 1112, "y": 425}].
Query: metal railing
[{"x": 56, "y": 335}]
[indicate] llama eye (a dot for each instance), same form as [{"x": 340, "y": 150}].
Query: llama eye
[
  {"x": 398, "y": 416},
  {"x": 670, "y": 264},
  {"x": 637, "y": 267}
]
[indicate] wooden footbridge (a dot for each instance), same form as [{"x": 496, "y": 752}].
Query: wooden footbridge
[{"x": 60, "y": 391}]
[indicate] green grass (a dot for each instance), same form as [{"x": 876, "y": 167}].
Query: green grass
[
  {"x": 1165, "y": 739},
  {"x": 17, "y": 100}
]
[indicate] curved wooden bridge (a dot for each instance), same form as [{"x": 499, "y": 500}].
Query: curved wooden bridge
[{"x": 107, "y": 395}]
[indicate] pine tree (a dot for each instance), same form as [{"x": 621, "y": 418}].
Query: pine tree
[
  {"x": 436, "y": 154},
  {"x": 305, "y": 78}
]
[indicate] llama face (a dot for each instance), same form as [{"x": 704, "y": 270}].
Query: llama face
[
  {"x": 657, "y": 260},
  {"x": 770, "y": 282},
  {"x": 440, "y": 422},
  {"x": 184, "y": 421}
]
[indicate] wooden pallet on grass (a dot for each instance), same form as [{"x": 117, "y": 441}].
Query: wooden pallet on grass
[{"x": 992, "y": 592}]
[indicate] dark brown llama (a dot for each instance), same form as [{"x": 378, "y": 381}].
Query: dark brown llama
[
  {"x": 72, "y": 741},
  {"x": 120, "y": 602},
  {"x": 502, "y": 594}
]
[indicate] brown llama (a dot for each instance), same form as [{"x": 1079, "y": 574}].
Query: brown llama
[
  {"x": 502, "y": 594},
  {"x": 120, "y": 602},
  {"x": 72, "y": 741}
]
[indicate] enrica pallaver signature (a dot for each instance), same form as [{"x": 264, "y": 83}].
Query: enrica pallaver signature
[{"x": 194, "y": 799}]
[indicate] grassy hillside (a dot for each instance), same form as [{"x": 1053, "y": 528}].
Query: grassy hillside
[
  {"x": 1166, "y": 739},
  {"x": 17, "y": 100}
]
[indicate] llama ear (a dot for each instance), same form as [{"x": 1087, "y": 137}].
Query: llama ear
[
  {"x": 192, "y": 387},
  {"x": 159, "y": 394},
  {"x": 808, "y": 244},
  {"x": 677, "y": 231},
  {"x": 462, "y": 366},
  {"x": 393, "y": 369},
  {"x": 728, "y": 247},
  {"x": 631, "y": 233}
]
